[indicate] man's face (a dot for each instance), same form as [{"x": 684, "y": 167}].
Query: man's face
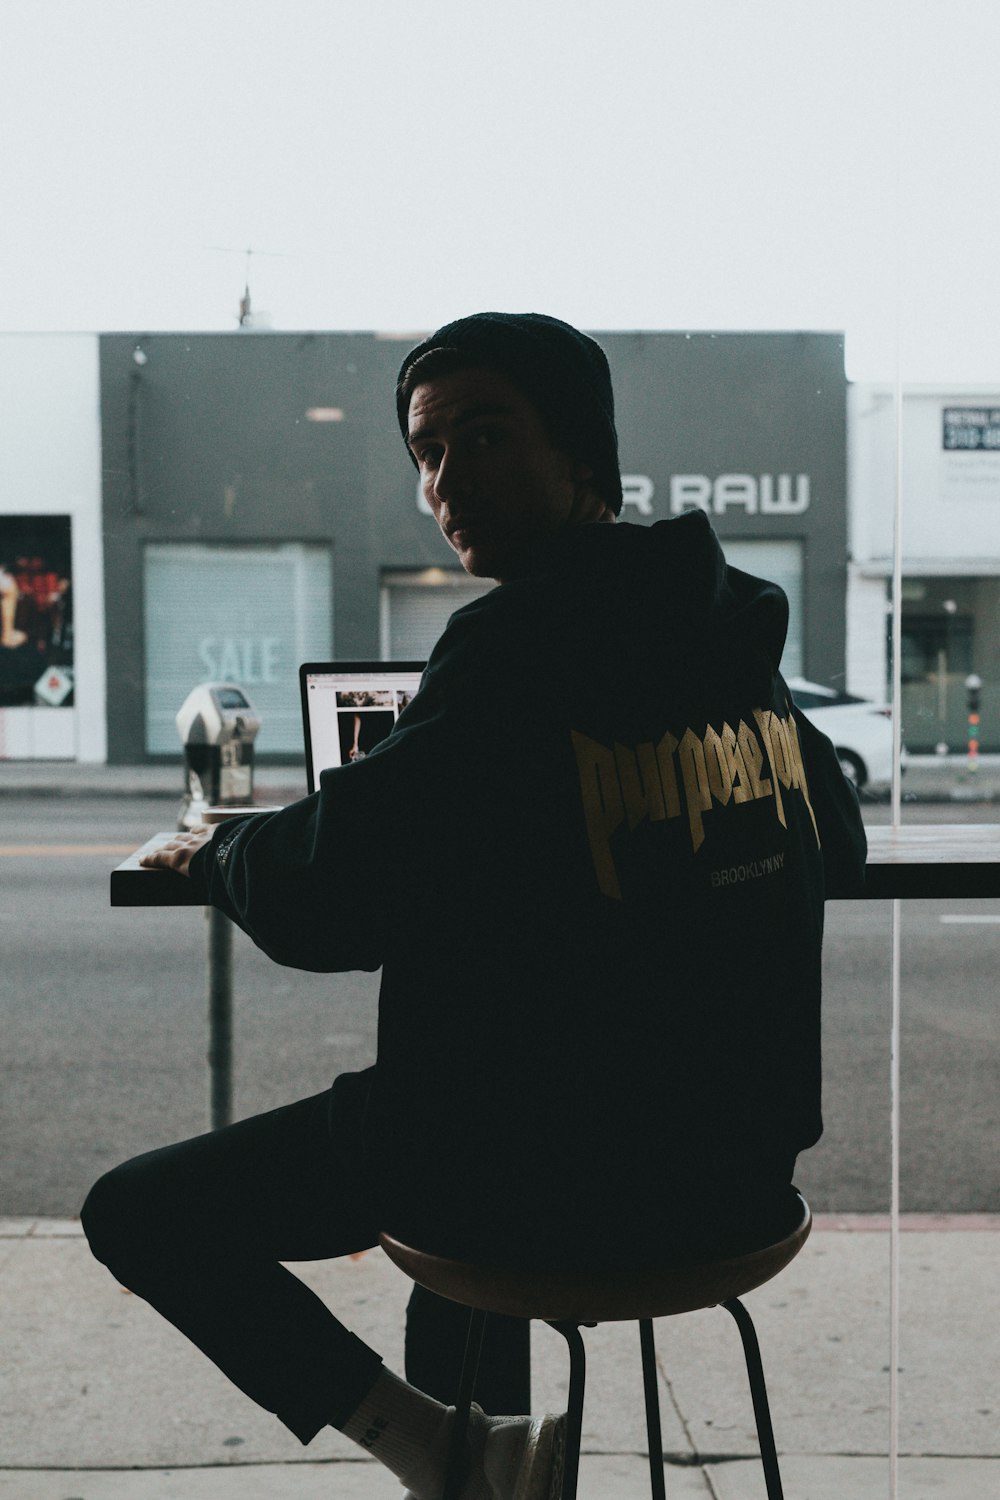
[{"x": 488, "y": 469}]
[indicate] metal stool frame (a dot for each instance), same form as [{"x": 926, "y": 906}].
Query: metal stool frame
[
  {"x": 667, "y": 1294},
  {"x": 574, "y": 1410}
]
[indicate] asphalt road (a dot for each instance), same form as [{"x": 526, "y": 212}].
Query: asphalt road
[{"x": 105, "y": 1032}]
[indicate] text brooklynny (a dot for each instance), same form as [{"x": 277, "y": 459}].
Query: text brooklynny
[{"x": 691, "y": 774}]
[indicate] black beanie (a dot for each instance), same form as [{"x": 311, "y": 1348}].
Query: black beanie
[{"x": 561, "y": 371}]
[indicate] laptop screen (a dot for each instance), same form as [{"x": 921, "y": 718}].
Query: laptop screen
[{"x": 348, "y": 706}]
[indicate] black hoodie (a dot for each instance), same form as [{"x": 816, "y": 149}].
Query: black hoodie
[{"x": 591, "y": 859}]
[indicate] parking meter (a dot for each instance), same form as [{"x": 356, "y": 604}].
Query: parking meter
[
  {"x": 217, "y": 725},
  {"x": 973, "y": 687}
]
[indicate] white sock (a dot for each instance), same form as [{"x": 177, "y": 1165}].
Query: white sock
[
  {"x": 426, "y": 1481},
  {"x": 397, "y": 1424}
]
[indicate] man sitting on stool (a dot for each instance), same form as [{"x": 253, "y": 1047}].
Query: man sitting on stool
[{"x": 591, "y": 860}]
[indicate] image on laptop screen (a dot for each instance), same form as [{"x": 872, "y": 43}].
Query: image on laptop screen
[{"x": 349, "y": 706}]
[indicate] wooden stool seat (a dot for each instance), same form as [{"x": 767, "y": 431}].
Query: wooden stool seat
[
  {"x": 568, "y": 1301},
  {"x": 596, "y": 1297}
]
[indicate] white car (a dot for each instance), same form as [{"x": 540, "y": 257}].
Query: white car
[{"x": 861, "y": 730}]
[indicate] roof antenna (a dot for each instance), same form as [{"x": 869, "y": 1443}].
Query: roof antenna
[
  {"x": 246, "y": 316},
  {"x": 246, "y": 320}
]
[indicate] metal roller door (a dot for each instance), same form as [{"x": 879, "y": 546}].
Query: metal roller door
[
  {"x": 781, "y": 562},
  {"x": 416, "y": 606},
  {"x": 246, "y": 614}
]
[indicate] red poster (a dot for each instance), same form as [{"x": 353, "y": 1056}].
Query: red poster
[{"x": 36, "y": 612}]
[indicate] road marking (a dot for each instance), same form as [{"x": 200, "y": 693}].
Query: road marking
[
  {"x": 971, "y": 920},
  {"x": 32, "y": 851}
]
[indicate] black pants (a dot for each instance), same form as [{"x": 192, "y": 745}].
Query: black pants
[{"x": 199, "y": 1230}]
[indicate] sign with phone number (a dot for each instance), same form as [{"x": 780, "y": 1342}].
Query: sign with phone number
[{"x": 971, "y": 429}]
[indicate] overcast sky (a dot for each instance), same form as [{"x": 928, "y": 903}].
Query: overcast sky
[{"x": 632, "y": 164}]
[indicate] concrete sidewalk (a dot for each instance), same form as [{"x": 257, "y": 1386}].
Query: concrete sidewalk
[
  {"x": 928, "y": 778},
  {"x": 55, "y": 778},
  {"x": 101, "y": 1400}
]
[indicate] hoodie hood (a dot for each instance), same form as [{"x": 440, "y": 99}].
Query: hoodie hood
[{"x": 668, "y": 587}]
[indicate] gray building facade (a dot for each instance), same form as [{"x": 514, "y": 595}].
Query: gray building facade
[{"x": 259, "y": 508}]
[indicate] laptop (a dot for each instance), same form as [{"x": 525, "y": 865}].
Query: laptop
[{"x": 349, "y": 706}]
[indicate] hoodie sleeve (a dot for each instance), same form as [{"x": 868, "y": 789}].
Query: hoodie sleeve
[
  {"x": 843, "y": 842},
  {"x": 319, "y": 884},
  {"x": 299, "y": 882}
]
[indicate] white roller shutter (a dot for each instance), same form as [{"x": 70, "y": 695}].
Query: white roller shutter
[{"x": 245, "y": 614}]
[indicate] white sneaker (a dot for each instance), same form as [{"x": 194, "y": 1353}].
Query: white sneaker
[{"x": 510, "y": 1458}]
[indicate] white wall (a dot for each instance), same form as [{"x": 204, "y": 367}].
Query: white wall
[
  {"x": 951, "y": 500},
  {"x": 867, "y": 666},
  {"x": 50, "y": 464},
  {"x": 871, "y": 473},
  {"x": 950, "y": 510}
]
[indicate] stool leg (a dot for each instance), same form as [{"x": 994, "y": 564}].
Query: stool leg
[
  {"x": 758, "y": 1390},
  {"x": 574, "y": 1406},
  {"x": 460, "y": 1424},
  {"x": 654, "y": 1436}
]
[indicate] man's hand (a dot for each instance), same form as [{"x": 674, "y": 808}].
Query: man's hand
[{"x": 178, "y": 853}]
